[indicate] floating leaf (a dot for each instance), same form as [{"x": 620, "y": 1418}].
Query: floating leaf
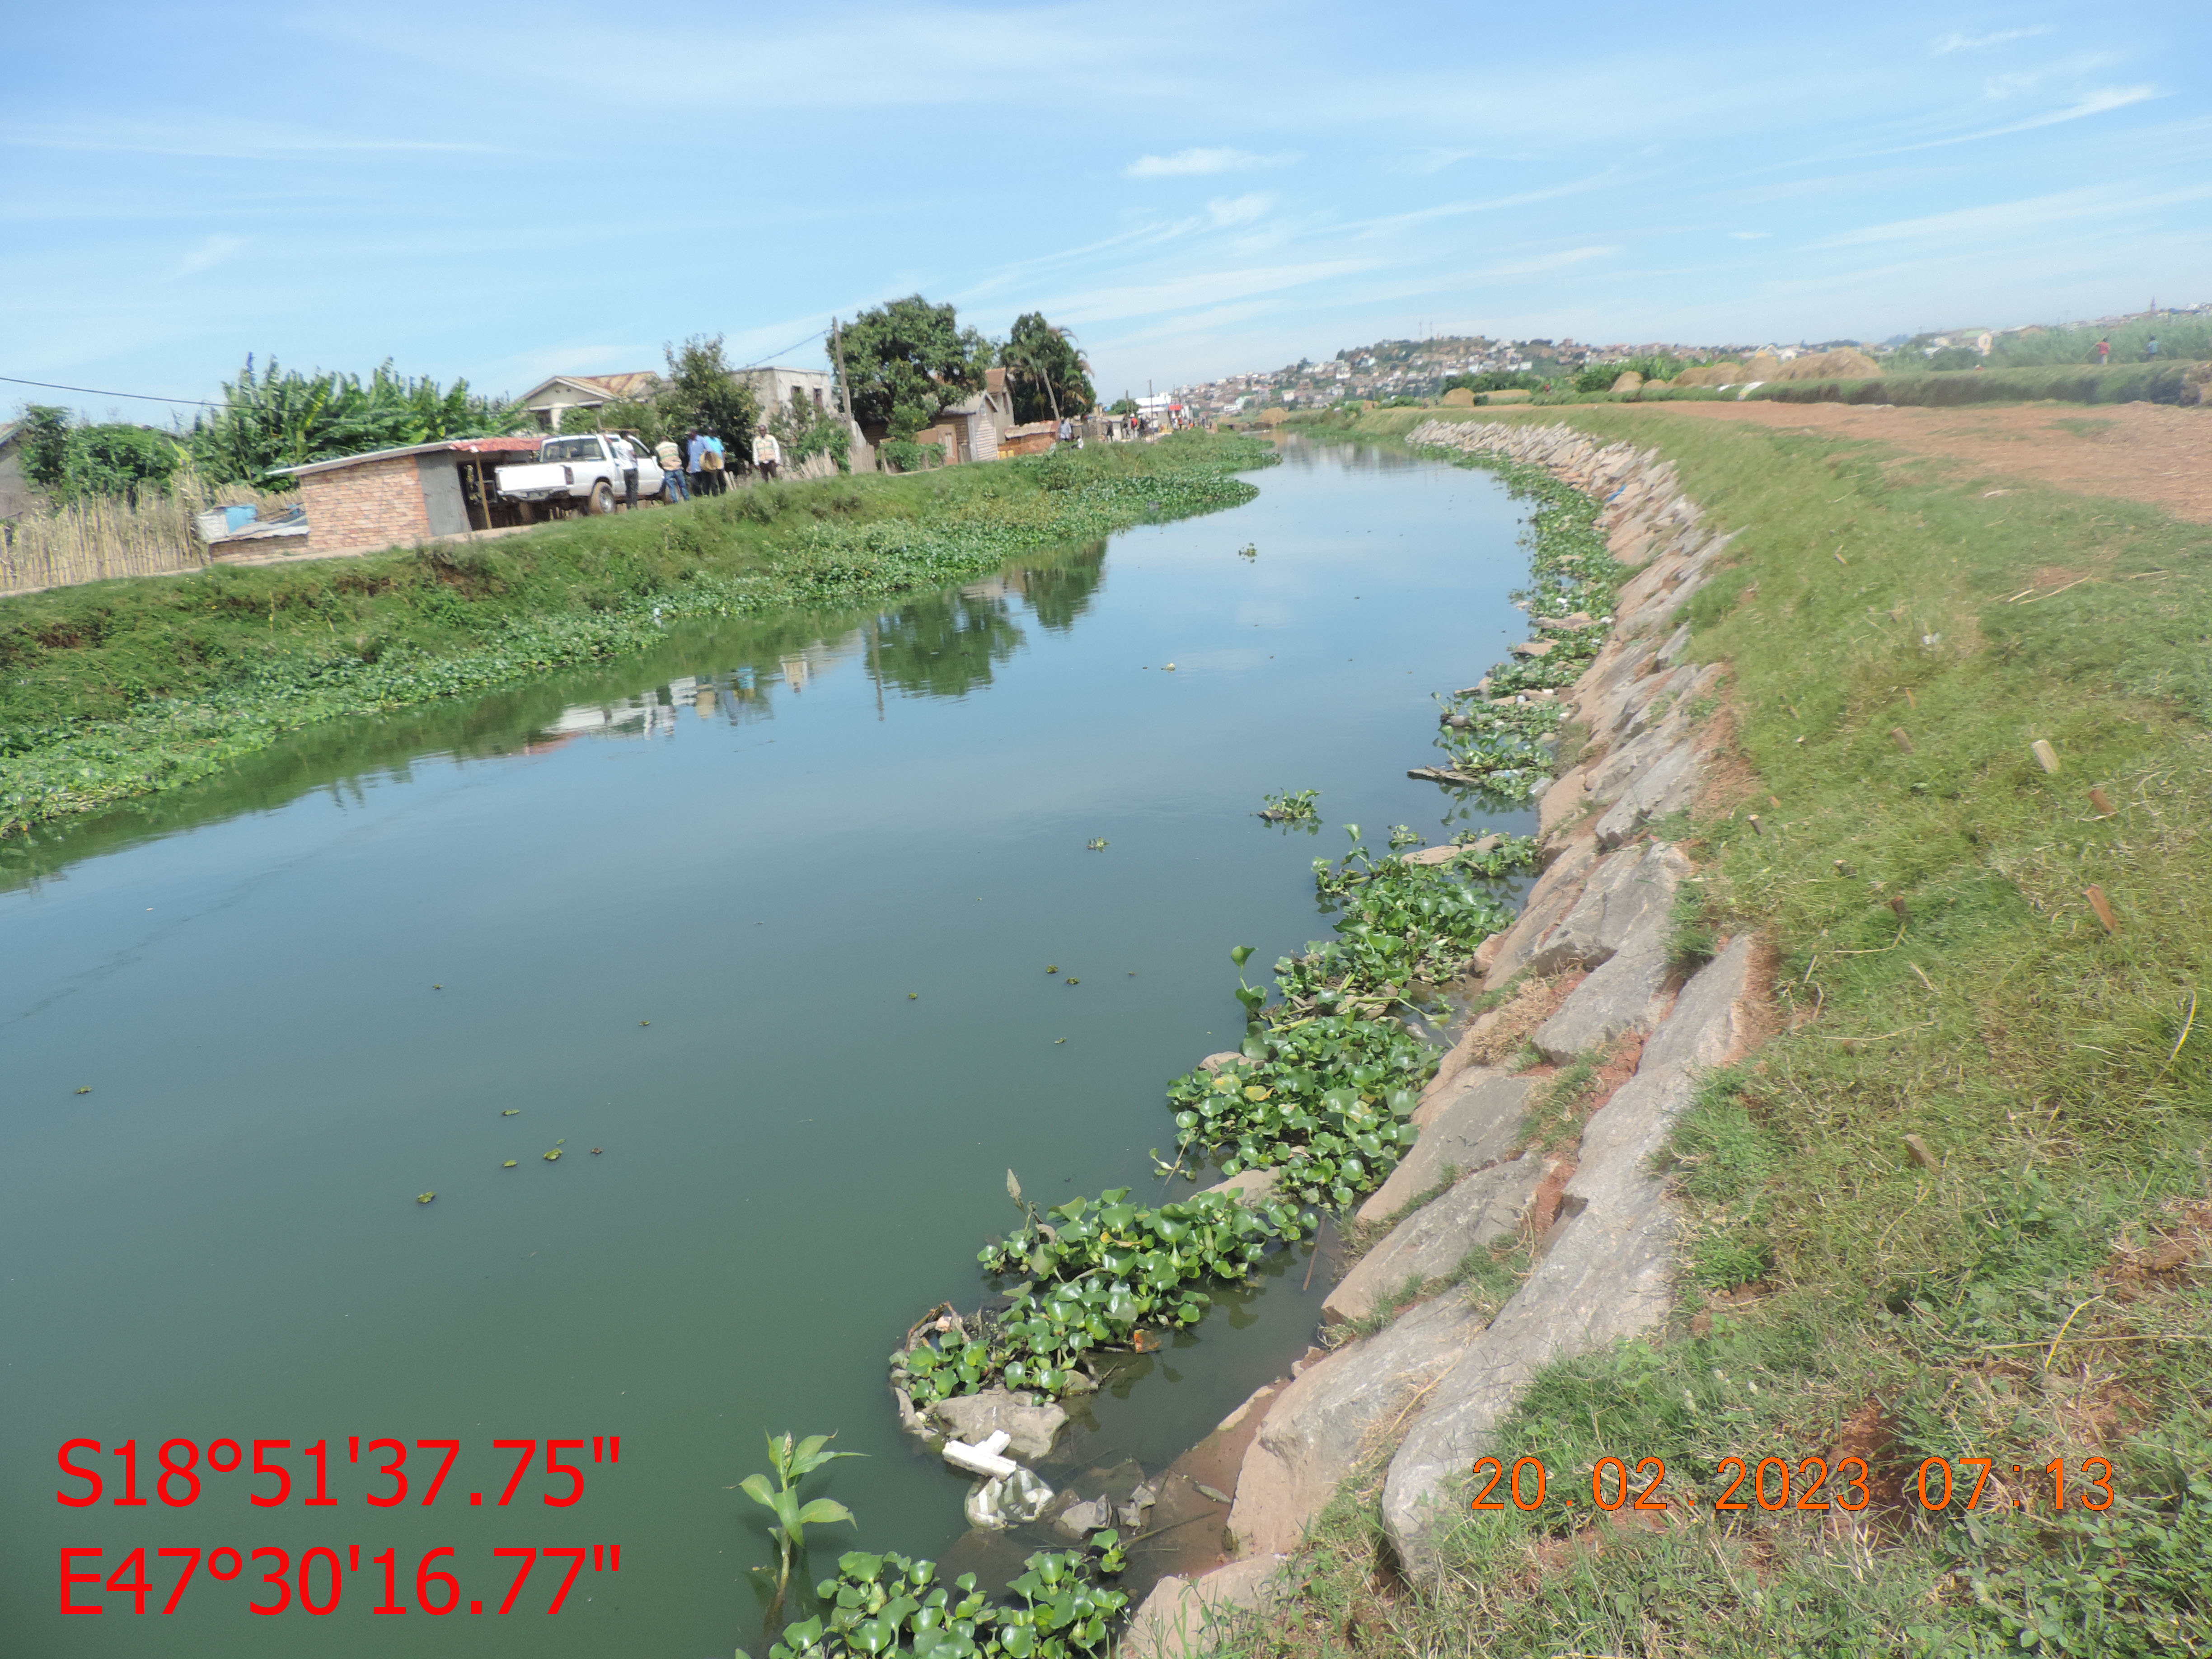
[
  {"x": 552, "y": 1155},
  {"x": 509, "y": 1164},
  {"x": 512, "y": 1111},
  {"x": 424, "y": 1198}
]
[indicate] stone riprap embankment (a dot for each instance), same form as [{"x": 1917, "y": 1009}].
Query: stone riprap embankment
[{"x": 1596, "y": 926}]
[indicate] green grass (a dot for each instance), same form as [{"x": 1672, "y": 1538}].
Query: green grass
[
  {"x": 2162, "y": 382},
  {"x": 122, "y": 689},
  {"x": 1977, "y": 1309}
]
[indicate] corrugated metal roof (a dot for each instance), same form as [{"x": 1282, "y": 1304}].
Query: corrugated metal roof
[{"x": 466, "y": 446}]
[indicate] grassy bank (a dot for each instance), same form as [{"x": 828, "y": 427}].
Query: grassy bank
[
  {"x": 2028, "y": 1278},
  {"x": 2164, "y": 382},
  {"x": 115, "y": 690},
  {"x": 2121, "y": 383}
]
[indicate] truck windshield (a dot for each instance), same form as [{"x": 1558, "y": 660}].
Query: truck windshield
[{"x": 570, "y": 449}]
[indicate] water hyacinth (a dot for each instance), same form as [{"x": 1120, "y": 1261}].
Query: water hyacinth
[
  {"x": 1091, "y": 1273},
  {"x": 1403, "y": 926},
  {"x": 1323, "y": 1099},
  {"x": 889, "y": 1604}
]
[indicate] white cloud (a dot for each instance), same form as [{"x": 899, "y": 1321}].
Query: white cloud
[
  {"x": 1956, "y": 41},
  {"x": 1186, "y": 163},
  {"x": 1239, "y": 209},
  {"x": 211, "y": 252},
  {"x": 1750, "y": 235}
]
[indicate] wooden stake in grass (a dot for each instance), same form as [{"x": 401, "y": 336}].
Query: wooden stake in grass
[
  {"x": 2046, "y": 755},
  {"x": 1751, "y": 819},
  {"x": 2096, "y": 898},
  {"x": 2098, "y": 800},
  {"x": 1926, "y": 1158},
  {"x": 1901, "y": 737}
]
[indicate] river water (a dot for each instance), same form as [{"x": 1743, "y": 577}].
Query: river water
[{"x": 774, "y": 936}]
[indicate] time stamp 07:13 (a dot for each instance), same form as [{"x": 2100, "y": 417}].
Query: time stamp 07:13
[{"x": 1774, "y": 1484}]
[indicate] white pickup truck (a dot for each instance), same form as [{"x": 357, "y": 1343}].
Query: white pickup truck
[{"x": 584, "y": 470}]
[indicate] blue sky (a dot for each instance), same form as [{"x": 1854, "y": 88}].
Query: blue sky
[{"x": 507, "y": 192}]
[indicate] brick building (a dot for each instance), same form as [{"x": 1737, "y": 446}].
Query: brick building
[{"x": 391, "y": 497}]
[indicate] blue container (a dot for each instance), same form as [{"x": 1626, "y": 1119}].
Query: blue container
[{"x": 239, "y": 517}]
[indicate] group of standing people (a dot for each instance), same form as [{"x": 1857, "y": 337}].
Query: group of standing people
[
  {"x": 699, "y": 466},
  {"x": 2103, "y": 349}
]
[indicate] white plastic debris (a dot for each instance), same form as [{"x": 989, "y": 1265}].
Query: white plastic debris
[
  {"x": 1008, "y": 1501},
  {"x": 985, "y": 1459}
]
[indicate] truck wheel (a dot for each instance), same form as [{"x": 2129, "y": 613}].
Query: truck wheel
[{"x": 602, "y": 499}]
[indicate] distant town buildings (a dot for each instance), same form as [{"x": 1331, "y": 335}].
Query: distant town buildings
[{"x": 1419, "y": 368}]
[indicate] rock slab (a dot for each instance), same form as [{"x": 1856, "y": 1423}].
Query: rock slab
[
  {"x": 1605, "y": 1275},
  {"x": 1317, "y": 1429},
  {"x": 1182, "y": 1617},
  {"x": 1431, "y": 1242},
  {"x": 1622, "y": 893},
  {"x": 1472, "y": 1127},
  {"x": 974, "y": 1418}
]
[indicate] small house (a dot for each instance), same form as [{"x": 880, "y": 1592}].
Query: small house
[
  {"x": 550, "y": 400},
  {"x": 391, "y": 497},
  {"x": 970, "y": 429}
]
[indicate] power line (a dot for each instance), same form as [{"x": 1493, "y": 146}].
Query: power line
[
  {"x": 765, "y": 361},
  {"x": 142, "y": 397},
  {"x": 204, "y": 403}
]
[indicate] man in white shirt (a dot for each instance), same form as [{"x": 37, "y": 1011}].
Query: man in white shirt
[{"x": 768, "y": 454}]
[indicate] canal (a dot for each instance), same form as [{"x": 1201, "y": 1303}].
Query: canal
[{"x": 791, "y": 939}]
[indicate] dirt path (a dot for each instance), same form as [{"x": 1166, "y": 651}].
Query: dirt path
[{"x": 2137, "y": 451}]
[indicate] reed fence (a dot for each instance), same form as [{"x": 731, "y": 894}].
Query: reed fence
[{"x": 103, "y": 537}]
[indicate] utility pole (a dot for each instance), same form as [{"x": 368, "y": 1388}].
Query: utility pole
[{"x": 845, "y": 388}]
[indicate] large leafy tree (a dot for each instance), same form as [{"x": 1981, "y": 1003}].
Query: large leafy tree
[
  {"x": 282, "y": 418},
  {"x": 907, "y": 360},
  {"x": 700, "y": 392},
  {"x": 1049, "y": 375},
  {"x": 72, "y": 460}
]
